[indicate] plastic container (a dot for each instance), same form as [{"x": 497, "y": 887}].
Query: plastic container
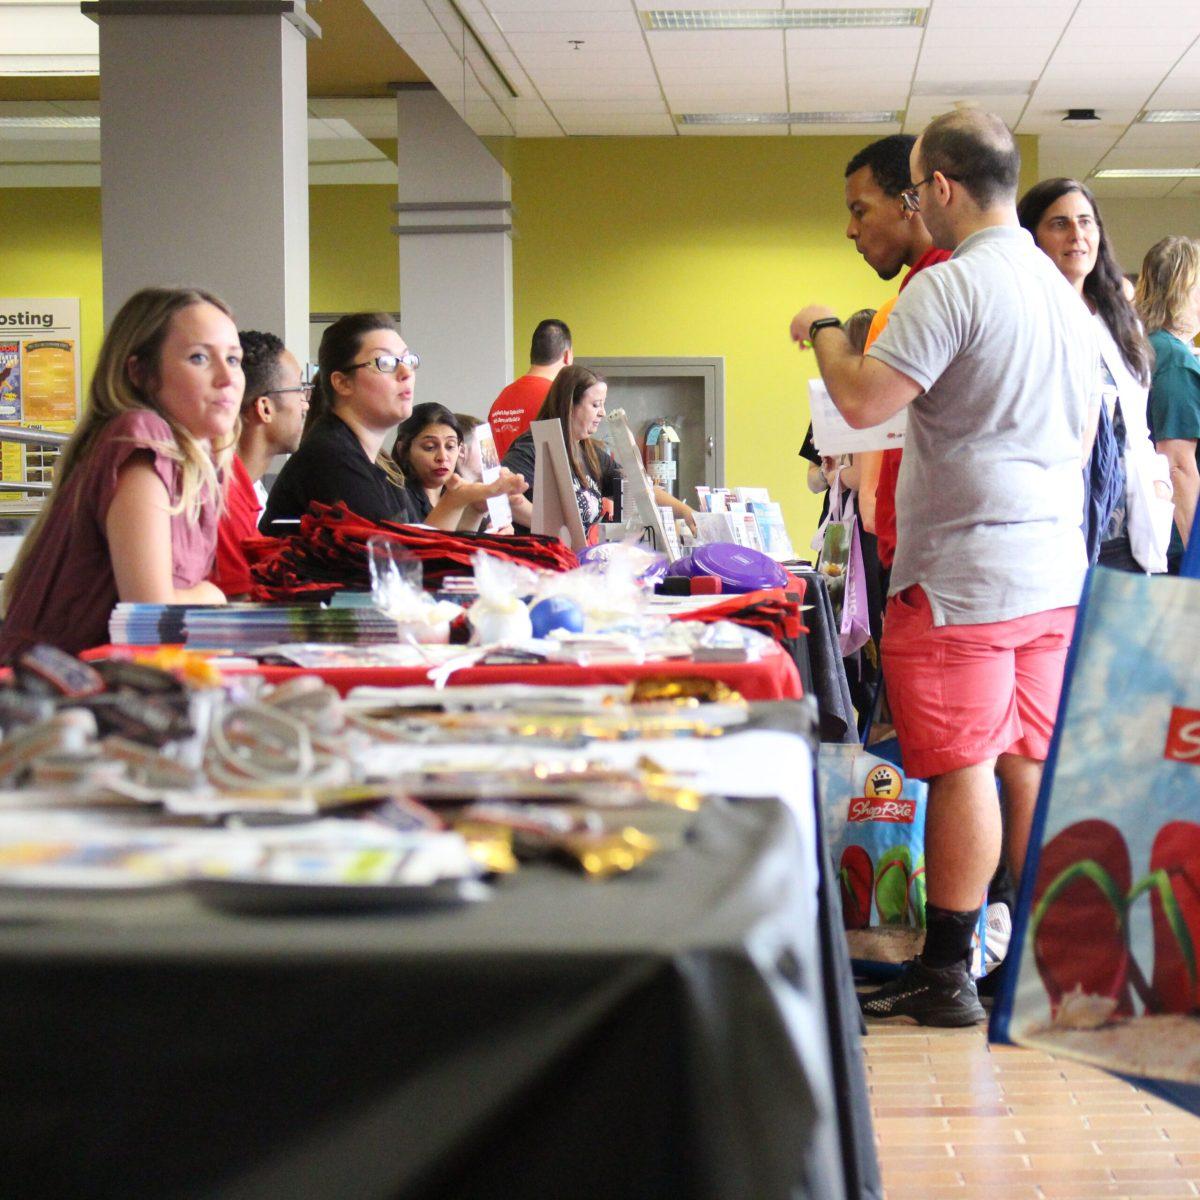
[{"x": 739, "y": 568}]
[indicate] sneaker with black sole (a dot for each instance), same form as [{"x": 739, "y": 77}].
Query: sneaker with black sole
[{"x": 943, "y": 996}]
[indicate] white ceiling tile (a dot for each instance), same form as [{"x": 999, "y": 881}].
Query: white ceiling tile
[
  {"x": 922, "y": 110},
  {"x": 497, "y": 7},
  {"x": 552, "y": 90},
  {"x": 863, "y": 131},
  {"x": 860, "y": 42},
  {"x": 870, "y": 95},
  {"x": 968, "y": 18},
  {"x": 1147, "y": 188},
  {"x": 1147, "y": 156},
  {"x": 570, "y": 108},
  {"x": 740, "y": 42},
  {"x": 523, "y": 45},
  {"x": 571, "y": 22},
  {"x": 764, "y": 100}
]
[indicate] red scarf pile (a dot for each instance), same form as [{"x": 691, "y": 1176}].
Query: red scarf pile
[{"x": 330, "y": 553}]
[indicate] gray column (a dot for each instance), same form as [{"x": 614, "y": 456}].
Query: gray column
[
  {"x": 204, "y": 154},
  {"x": 454, "y": 222}
]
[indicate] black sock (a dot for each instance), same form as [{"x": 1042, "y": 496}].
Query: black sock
[{"x": 948, "y": 935}]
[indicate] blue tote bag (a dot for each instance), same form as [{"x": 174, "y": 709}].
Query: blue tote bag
[{"x": 1105, "y": 958}]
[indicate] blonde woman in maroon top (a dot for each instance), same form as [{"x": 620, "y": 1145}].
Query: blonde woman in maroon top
[{"x": 133, "y": 514}]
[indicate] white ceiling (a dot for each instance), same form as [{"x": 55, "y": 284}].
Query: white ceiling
[{"x": 1028, "y": 61}]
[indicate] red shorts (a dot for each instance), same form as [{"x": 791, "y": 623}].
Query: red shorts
[{"x": 963, "y": 694}]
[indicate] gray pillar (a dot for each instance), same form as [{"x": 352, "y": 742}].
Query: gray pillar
[
  {"x": 204, "y": 154},
  {"x": 454, "y": 222}
]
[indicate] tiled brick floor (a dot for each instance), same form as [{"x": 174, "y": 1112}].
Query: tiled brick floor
[{"x": 956, "y": 1119}]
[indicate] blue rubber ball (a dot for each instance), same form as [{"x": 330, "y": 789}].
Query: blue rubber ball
[{"x": 556, "y": 612}]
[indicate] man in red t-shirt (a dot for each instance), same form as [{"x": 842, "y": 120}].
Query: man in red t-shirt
[
  {"x": 889, "y": 237},
  {"x": 273, "y": 408},
  {"x": 518, "y": 404}
]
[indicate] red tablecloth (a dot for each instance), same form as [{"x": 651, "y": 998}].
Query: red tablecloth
[{"x": 773, "y": 677}]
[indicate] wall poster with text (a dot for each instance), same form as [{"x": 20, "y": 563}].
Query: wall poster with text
[{"x": 40, "y": 385}]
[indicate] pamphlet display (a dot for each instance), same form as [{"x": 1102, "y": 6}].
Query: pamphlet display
[
  {"x": 637, "y": 485},
  {"x": 555, "y": 510},
  {"x": 39, "y": 382},
  {"x": 833, "y": 437}
]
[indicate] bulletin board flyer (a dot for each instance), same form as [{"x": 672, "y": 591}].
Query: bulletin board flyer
[{"x": 40, "y": 386}]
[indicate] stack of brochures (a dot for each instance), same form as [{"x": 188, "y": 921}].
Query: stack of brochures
[
  {"x": 247, "y": 627},
  {"x": 745, "y": 516}
]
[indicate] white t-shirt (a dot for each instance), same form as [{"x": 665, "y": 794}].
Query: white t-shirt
[{"x": 989, "y": 501}]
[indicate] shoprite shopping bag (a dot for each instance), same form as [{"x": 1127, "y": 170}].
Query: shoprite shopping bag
[
  {"x": 1107, "y": 931},
  {"x": 841, "y": 563},
  {"x": 875, "y": 825}
]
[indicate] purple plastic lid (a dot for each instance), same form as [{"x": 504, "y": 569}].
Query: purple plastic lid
[
  {"x": 682, "y": 568},
  {"x": 738, "y": 567}
]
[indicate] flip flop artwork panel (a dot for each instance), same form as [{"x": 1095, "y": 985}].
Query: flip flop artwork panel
[{"x": 1107, "y": 928}]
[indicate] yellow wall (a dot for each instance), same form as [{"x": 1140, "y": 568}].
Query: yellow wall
[
  {"x": 646, "y": 246},
  {"x": 52, "y": 248},
  {"x": 697, "y": 246},
  {"x": 354, "y": 263}
]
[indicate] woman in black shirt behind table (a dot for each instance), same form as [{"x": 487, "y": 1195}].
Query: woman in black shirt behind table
[
  {"x": 576, "y": 401},
  {"x": 367, "y": 380}
]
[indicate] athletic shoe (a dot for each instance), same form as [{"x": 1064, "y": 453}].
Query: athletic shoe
[{"x": 943, "y": 996}]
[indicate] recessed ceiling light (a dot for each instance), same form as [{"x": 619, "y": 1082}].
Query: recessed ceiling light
[
  {"x": 49, "y": 122},
  {"x": 973, "y": 87},
  {"x": 685, "y": 19},
  {"x": 1081, "y": 114},
  {"x": 1148, "y": 173},
  {"x": 882, "y": 117},
  {"x": 1170, "y": 116}
]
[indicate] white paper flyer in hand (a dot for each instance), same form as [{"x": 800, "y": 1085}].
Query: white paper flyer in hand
[
  {"x": 833, "y": 437},
  {"x": 499, "y": 509}
]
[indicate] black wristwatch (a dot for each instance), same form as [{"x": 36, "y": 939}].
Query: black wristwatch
[{"x": 822, "y": 323}]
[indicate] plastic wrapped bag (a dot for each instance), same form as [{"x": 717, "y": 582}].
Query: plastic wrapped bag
[{"x": 500, "y": 615}]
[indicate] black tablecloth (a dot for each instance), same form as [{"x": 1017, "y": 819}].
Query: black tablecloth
[
  {"x": 663, "y": 1035},
  {"x": 822, "y": 672}
]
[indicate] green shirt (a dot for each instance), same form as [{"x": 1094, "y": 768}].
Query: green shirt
[{"x": 1173, "y": 410}]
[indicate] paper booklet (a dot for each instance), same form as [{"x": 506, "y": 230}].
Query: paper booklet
[{"x": 833, "y": 437}]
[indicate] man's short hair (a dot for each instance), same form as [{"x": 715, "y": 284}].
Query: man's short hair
[
  {"x": 551, "y": 340},
  {"x": 888, "y": 160},
  {"x": 978, "y": 150},
  {"x": 260, "y": 363}
]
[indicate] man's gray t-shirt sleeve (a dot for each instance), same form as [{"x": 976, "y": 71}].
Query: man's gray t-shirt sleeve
[{"x": 923, "y": 334}]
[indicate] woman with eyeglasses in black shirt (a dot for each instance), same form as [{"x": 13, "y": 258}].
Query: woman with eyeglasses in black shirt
[{"x": 367, "y": 377}]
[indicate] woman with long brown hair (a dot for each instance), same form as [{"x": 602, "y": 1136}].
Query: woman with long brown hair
[{"x": 133, "y": 513}]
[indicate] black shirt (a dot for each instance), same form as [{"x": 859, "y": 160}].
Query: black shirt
[{"x": 331, "y": 465}]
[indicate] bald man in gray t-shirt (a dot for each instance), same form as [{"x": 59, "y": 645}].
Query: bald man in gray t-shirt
[
  {"x": 990, "y": 498},
  {"x": 996, "y": 359}
]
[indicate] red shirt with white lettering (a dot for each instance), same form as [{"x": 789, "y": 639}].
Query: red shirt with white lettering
[{"x": 514, "y": 408}]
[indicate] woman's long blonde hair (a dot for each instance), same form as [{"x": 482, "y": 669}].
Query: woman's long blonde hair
[
  {"x": 137, "y": 332},
  {"x": 1170, "y": 270}
]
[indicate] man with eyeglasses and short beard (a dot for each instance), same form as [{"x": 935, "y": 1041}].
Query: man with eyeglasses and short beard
[
  {"x": 274, "y": 405},
  {"x": 996, "y": 361}
]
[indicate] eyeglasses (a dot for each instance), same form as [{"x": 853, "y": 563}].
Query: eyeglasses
[
  {"x": 910, "y": 198},
  {"x": 305, "y": 390},
  {"x": 386, "y": 364}
]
